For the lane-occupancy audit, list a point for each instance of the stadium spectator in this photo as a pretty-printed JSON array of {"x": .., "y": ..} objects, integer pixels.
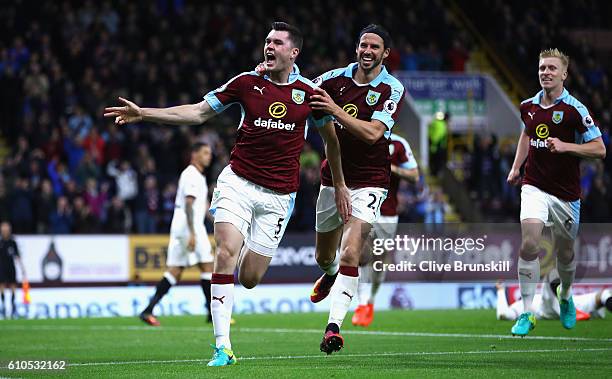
[
  {"x": 85, "y": 222},
  {"x": 148, "y": 203},
  {"x": 44, "y": 203},
  {"x": 61, "y": 218},
  {"x": 22, "y": 207},
  {"x": 118, "y": 217}
]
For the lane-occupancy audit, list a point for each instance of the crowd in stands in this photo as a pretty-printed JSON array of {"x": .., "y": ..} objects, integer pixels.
[
  {"x": 520, "y": 31},
  {"x": 68, "y": 170}
]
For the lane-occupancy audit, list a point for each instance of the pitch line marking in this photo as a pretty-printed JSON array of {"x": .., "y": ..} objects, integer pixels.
[
  {"x": 287, "y": 330},
  {"x": 320, "y": 356}
]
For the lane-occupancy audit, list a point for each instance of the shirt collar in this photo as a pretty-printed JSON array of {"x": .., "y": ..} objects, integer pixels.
[
  {"x": 537, "y": 99},
  {"x": 293, "y": 75},
  {"x": 351, "y": 68}
]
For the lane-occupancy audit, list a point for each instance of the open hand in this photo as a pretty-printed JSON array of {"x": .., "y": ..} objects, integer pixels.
[{"x": 129, "y": 113}]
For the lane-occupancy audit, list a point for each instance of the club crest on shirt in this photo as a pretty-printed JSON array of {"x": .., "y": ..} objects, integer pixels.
[
  {"x": 557, "y": 117},
  {"x": 372, "y": 97},
  {"x": 298, "y": 96}
]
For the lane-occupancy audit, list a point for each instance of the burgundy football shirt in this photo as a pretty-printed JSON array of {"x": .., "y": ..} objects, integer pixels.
[
  {"x": 363, "y": 165},
  {"x": 568, "y": 120},
  {"x": 272, "y": 129},
  {"x": 401, "y": 156}
]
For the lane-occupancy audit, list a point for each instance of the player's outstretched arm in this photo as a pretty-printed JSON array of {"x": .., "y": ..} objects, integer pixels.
[
  {"x": 410, "y": 174},
  {"x": 332, "y": 152},
  {"x": 189, "y": 114},
  {"x": 522, "y": 149},
  {"x": 367, "y": 131},
  {"x": 594, "y": 149}
]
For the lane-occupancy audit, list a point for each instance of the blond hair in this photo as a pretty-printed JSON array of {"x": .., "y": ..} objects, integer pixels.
[{"x": 555, "y": 53}]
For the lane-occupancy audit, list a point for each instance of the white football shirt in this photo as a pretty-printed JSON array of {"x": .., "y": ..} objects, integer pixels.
[{"x": 191, "y": 183}]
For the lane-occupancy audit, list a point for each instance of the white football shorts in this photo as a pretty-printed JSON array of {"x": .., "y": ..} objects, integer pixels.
[
  {"x": 563, "y": 216},
  {"x": 259, "y": 213},
  {"x": 365, "y": 204},
  {"x": 179, "y": 256}
]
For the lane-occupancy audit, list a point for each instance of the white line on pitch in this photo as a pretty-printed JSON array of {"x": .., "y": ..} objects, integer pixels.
[
  {"x": 287, "y": 330},
  {"x": 320, "y": 356}
]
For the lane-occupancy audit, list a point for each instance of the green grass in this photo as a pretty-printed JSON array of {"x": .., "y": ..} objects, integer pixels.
[{"x": 456, "y": 343}]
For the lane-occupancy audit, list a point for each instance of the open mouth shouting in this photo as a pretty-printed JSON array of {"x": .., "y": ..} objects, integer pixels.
[{"x": 270, "y": 59}]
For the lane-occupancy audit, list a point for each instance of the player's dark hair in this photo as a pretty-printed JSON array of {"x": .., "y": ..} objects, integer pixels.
[
  {"x": 295, "y": 34},
  {"x": 197, "y": 146},
  {"x": 379, "y": 31}
]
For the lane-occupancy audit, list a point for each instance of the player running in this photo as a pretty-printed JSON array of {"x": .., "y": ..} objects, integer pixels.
[
  {"x": 256, "y": 191},
  {"x": 403, "y": 166},
  {"x": 364, "y": 100},
  {"x": 557, "y": 131},
  {"x": 189, "y": 244}
]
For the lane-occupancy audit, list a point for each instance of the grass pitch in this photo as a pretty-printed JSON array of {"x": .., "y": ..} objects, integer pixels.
[{"x": 454, "y": 343}]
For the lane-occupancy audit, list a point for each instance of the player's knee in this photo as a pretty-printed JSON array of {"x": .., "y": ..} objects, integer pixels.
[
  {"x": 350, "y": 256},
  {"x": 529, "y": 247},
  {"x": 223, "y": 254},
  {"x": 248, "y": 280}
]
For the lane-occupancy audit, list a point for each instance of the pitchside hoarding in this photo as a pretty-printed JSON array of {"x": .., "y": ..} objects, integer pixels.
[
  {"x": 54, "y": 260},
  {"x": 417, "y": 253},
  {"x": 189, "y": 300}
]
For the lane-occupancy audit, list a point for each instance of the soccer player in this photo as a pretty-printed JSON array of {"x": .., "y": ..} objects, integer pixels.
[
  {"x": 364, "y": 99},
  {"x": 403, "y": 166},
  {"x": 557, "y": 131},
  {"x": 546, "y": 305},
  {"x": 255, "y": 192},
  {"x": 9, "y": 254},
  {"x": 189, "y": 244}
]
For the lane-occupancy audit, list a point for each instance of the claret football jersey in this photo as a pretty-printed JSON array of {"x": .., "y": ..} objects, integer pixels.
[
  {"x": 272, "y": 129},
  {"x": 568, "y": 120},
  {"x": 401, "y": 156},
  {"x": 363, "y": 165}
]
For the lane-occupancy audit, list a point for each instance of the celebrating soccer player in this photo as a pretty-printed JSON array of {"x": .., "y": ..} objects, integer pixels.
[
  {"x": 189, "y": 243},
  {"x": 364, "y": 100},
  {"x": 256, "y": 191},
  {"x": 557, "y": 131}
]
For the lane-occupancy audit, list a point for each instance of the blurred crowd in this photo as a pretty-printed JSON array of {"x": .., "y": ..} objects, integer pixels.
[{"x": 68, "y": 170}]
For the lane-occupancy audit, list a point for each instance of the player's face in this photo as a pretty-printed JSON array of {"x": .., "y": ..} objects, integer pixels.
[
  {"x": 371, "y": 51},
  {"x": 204, "y": 156},
  {"x": 279, "y": 52},
  {"x": 5, "y": 230},
  {"x": 551, "y": 72}
]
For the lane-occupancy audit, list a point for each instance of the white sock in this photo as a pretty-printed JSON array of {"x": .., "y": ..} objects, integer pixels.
[
  {"x": 342, "y": 293},
  {"x": 333, "y": 268},
  {"x": 171, "y": 279},
  {"x": 567, "y": 272},
  {"x": 528, "y": 275},
  {"x": 365, "y": 284},
  {"x": 222, "y": 302},
  {"x": 503, "y": 311}
]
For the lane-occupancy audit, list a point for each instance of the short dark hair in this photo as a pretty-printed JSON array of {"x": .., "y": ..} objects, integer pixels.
[
  {"x": 295, "y": 34},
  {"x": 197, "y": 146},
  {"x": 379, "y": 31}
]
